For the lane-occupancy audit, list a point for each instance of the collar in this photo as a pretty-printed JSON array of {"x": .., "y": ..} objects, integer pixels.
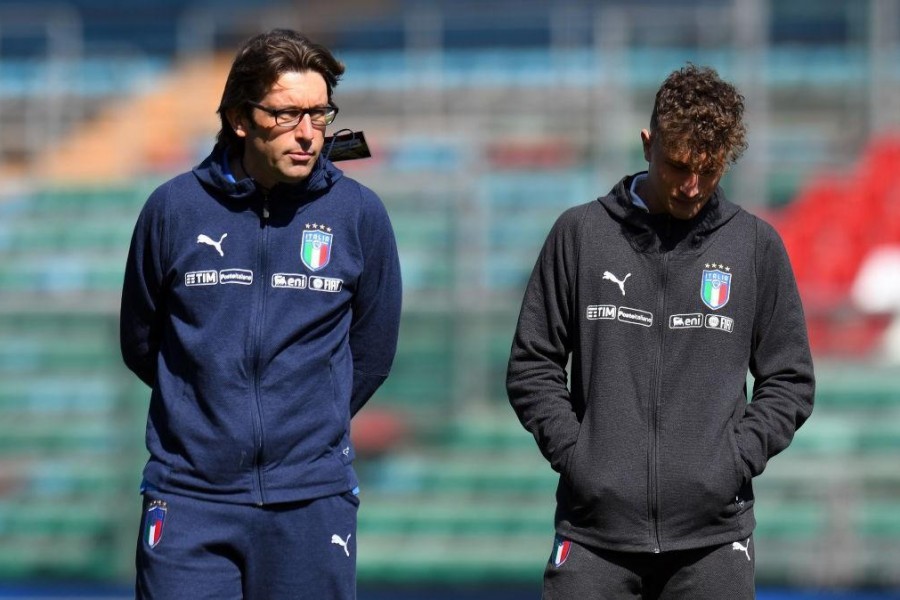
[
  {"x": 226, "y": 166},
  {"x": 635, "y": 197},
  {"x": 215, "y": 172},
  {"x": 660, "y": 232}
]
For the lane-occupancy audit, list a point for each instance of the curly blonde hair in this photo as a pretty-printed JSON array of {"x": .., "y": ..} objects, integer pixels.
[{"x": 696, "y": 112}]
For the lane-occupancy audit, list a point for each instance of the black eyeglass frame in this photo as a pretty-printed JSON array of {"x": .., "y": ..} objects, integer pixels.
[{"x": 331, "y": 109}]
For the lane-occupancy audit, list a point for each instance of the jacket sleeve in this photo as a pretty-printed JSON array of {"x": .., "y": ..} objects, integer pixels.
[
  {"x": 536, "y": 380},
  {"x": 376, "y": 305},
  {"x": 780, "y": 359},
  {"x": 140, "y": 317}
]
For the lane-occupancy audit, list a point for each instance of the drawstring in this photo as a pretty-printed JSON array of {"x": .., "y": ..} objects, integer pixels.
[{"x": 334, "y": 138}]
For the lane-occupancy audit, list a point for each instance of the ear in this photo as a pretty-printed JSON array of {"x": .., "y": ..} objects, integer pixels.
[
  {"x": 646, "y": 142},
  {"x": 238, "y": 122}
]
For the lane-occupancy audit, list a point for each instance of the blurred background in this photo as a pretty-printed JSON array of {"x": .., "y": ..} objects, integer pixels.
[{"x": 486, "y": 120}]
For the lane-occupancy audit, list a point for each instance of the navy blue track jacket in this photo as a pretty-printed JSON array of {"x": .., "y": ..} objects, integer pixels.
[{"x": 262, "y": 322}]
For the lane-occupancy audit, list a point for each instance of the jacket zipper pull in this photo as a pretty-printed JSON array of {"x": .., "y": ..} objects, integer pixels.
[{"x": 265, "y": 208}]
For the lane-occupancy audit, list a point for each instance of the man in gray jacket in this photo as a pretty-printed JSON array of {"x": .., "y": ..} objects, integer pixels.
[{"x": 663, "y": 295}]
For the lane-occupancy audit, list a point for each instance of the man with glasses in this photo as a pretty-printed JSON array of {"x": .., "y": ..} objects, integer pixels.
[
  {"x": 261, "y": 304},
  {"x": 658, "y": 299}
]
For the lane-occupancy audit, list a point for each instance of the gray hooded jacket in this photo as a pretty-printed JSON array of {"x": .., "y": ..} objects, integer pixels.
[{"x": 654, "y": 438}]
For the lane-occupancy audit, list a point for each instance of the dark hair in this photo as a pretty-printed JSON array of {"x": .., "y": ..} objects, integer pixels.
[
  {"x": 697, "y": 112},
  {"x": 258, "y": 64}
]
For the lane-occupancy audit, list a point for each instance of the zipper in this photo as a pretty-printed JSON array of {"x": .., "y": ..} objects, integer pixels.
[
  {"x": 655, "y": 396},
  {"x": 256, "y": 352}
]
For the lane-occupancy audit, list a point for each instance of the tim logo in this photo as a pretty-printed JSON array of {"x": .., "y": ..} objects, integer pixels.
[
  {"x": 201, "y": 278},
  {"x": 294, "y": 281},
  {"x": 601, "y": 311},
  {"x": 725, "y": 324},
  {"x": 687, "y": 321}
]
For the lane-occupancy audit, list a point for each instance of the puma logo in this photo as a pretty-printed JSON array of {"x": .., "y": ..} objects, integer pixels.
[
  {"x": 205, "y": 239},
  {"x": 610, "y": 277},
  {"x": 336, "y": 539},
  {"x": 742, "y": 547}
]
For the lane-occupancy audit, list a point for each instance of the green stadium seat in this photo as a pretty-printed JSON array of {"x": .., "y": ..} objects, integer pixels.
[
  {"x": 499, "y": 433},
  {"x": 91, "y": 394},
  {"x": 492, "y": 559},
  {"x": 422, "y": 375},
  {"x": 71, "y": 421},
  {"x": 40, "y": 354},
  {"x": 455, "y": 514},
  {"x": 878, "y": 519},
  {"x": 54, "y": 274},
  {"x": 857, "y": 387},
  {"x": 794, "y": 520},
  {"x": 40, "y": 236},
  {"x": 97, "y": 203},
  {"x": 63, "y": 517}
]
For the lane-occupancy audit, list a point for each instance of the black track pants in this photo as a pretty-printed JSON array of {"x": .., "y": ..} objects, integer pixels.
[{"x": 714, "y": 573}]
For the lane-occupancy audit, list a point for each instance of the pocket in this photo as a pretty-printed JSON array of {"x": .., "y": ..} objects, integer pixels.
[
  {"x": 571, "y": 494},
  {"x": 344, "y": 451},
  {"x": 340, "y": 378},
  {"x": 737, "y": 461},
  {"x": 352, "y": 496},
  {"x": 334, "y": 391},
  {"x": 569, "y": 470}
]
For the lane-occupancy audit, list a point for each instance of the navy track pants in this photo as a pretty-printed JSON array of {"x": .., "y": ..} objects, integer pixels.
[{"x": 197, "y": 549}]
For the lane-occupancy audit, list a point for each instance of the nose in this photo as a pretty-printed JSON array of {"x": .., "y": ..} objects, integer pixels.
[
  {"x": 304, "y": 129},
  {"x": 690, "y": 187}
]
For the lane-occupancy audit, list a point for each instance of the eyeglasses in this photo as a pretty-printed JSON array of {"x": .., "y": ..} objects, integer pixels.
[{"x": 291, "y": 117}]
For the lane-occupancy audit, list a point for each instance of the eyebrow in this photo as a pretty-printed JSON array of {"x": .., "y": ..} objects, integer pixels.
[
  {"x": 680, "y": 164},
  {"x": 703, "y": 169},
  {"x": 317, "y": 107}
]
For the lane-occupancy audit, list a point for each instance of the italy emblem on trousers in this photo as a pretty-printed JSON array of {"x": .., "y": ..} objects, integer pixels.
[
  {"x": 561, "y": 549},
  {"x": 156, "y": 518}
]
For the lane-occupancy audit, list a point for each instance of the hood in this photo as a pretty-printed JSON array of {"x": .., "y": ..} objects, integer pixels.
[
  {"x": 210, "y": 173},
  {"x": 662, "y": 232}
]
